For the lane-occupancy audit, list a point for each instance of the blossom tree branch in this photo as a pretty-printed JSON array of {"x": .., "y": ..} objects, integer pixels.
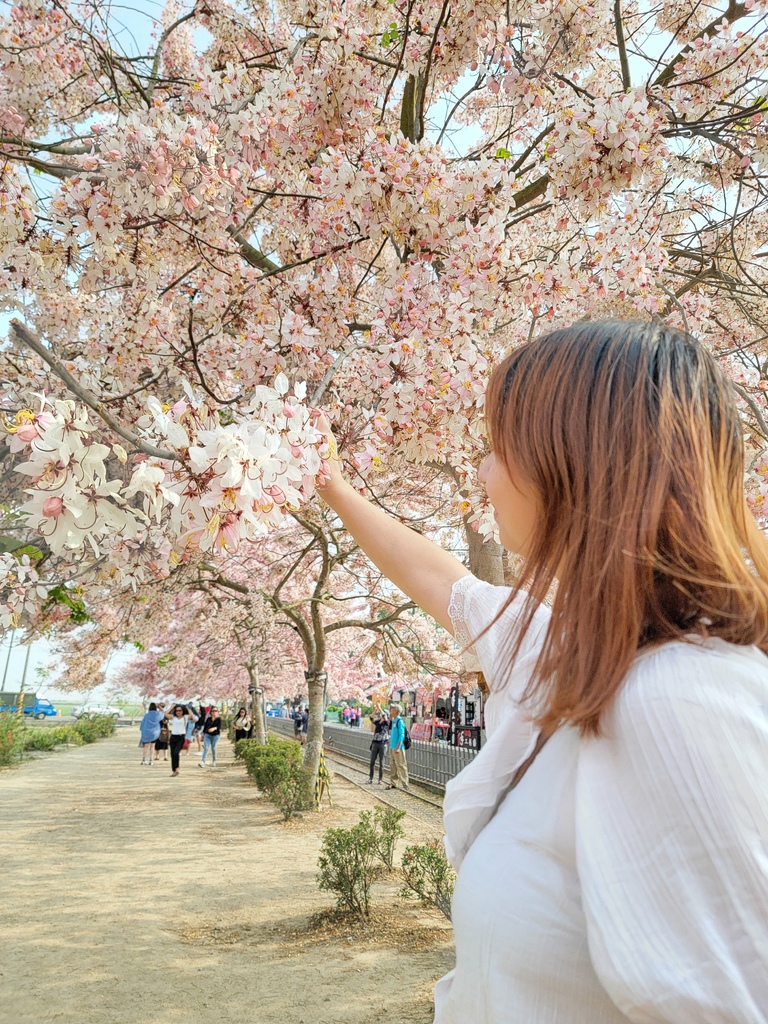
[{"x": 26, "y": 337}]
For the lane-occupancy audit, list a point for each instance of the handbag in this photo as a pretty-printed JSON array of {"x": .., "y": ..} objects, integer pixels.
[{"x": 185, "y": 745}]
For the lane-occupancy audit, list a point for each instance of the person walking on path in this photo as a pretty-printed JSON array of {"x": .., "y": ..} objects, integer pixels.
[
  {"x": 610, "y": 836},
  {"x": 242, "y": 725},
  {"x": 150, "y": 731},
  {"x": 192, "y": 719},
  {"x": 177, "y": 728},
  {"x": 211, "y": 733},
  {"x": 378, "y": 745},
  {"x": 164, "y": 737},
  {"x": 304, "y": 725},
  {"x": 197, "y": 732},
  {"x": 398, "y": 765},
  {"x": 297, "y": 724}
]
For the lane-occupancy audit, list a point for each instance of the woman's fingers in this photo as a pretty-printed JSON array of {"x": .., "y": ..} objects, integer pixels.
[{"x": 332, "y": 474}]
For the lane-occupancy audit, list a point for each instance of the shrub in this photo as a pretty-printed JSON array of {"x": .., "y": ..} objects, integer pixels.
[
  {"x": 17, "y": 737},
  {"x": 91, "y": 729},
  {"x": 12, "y": 732},
  {"x": 41, "y": 739},
  {"x": 240, "y": 749},
  {"x": 289, "y": 795},
  {"x": 348, "y": 864},
  {"x": 389, "y": 830},
  {"x": 48, "y": 739},
  {"x": 61, "y": 733},
  {"x": 276, "y": 768},
  {"x": 429, "y": 876}
]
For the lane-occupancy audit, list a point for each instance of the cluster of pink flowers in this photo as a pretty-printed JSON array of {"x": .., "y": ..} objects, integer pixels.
[
  {"x": 601, "y": 146},
  {"x": 21, "y": 592}
]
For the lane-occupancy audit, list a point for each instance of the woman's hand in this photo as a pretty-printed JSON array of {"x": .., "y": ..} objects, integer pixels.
[{"x": 332, "y": 479}]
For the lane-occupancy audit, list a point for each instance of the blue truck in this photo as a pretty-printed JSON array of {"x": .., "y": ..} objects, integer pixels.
[{"x": 36, "y": 707}]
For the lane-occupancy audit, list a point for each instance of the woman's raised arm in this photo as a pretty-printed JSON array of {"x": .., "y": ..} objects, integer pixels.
[{"x": 417, "y": 566}]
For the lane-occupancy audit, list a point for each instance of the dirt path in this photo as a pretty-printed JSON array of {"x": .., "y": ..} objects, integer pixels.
[{"x": 130, "y": 897}]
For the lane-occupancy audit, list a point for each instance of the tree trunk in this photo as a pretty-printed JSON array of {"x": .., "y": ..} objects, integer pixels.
[
  {"x": 316, "y": 689},
  {"x": 486, "y": 558},
  {"x": 257, "y": 704},
  {"x": 259, "y": 723}
]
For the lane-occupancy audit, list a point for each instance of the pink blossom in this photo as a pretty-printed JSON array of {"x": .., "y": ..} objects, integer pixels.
[
  {"x": 27, "y": 432},
  {"x": 53, "y": 507},
  {"x": 190, "y": 203}
]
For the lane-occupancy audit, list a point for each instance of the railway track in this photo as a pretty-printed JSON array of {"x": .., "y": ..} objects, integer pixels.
[{"x": 415, "y": 802}]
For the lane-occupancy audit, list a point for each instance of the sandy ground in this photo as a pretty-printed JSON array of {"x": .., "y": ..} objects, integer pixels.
[{"x": 130, "y": 897}]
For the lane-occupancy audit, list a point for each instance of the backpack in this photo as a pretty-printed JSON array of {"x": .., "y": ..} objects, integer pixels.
[{"x": 406, "y": 738}]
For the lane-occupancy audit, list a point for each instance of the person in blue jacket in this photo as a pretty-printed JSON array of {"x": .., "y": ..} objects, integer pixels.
[
  {"x": 398, "y": 766},
  {"x": 150, "y": 730}
]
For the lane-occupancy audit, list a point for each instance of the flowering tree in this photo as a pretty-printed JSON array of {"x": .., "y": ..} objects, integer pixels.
[
  {"x": 358, "y": 203},
  {"x": 323, "y": 590},
  {"x": 354, "y": 203}
]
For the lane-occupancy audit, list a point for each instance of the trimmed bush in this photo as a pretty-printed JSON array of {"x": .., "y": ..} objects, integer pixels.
[
  {"x": 16, "y": 736},
  {"x": 42, "y": 739},
  {"x": 429, "y": 876},
  {"x": 91, "y": 729},
  {"x": 87, "y": 730},
  {"x": 289, "y": 794},
  {"x": 389, "y": 830},
  {"x": 277, "y": 769},
  {"x": 348, "y": 864}
]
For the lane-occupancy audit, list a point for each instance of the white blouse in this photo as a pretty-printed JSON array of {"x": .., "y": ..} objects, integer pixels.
[
  {"x": 179, "y": 725},
  {"x": 626, "y": 877}
]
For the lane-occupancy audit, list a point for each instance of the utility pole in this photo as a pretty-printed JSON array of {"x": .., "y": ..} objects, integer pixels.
[
  {"x": 20, "y": 709},
  {"x": 8, "y": 659}
]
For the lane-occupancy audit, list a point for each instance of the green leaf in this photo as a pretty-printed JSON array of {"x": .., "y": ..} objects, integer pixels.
[
  {"x": 391, "y": 35},
  {"x": 78, "y": 613},
  {"x": 18, "y": 547},
  {"x": 503, "y": 154}
]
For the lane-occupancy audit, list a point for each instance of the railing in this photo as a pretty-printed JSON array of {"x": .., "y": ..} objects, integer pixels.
[{"x": 432, "y": 763}]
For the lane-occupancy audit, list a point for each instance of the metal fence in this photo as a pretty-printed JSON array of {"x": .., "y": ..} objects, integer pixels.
[{"x": 433, "y": 763}]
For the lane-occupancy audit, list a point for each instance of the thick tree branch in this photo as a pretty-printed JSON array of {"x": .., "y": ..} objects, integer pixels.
[
  {"x": 60, "y": 148},
  {"x": 251, "y": 254},
  {"x": 370, "y": 624},
  {"x": 530, "y": 192},
  {"x": 26, "y": 337},
  {"x": 153, "y": 79},
  {"x": 60, "y": 171},
  {"x": 626, "y": 81},
  {"x": 762, "y": 425},
  {"x": 734, "y": 12}
]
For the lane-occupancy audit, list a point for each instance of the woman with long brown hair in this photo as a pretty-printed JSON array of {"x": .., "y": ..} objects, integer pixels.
[{"x": 611, "y": 838}]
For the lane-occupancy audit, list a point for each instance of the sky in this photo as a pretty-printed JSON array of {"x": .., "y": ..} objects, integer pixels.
[{"x": 43, "y": 657}]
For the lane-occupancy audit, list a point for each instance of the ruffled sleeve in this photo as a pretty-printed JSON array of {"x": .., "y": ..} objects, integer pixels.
[
  {"x": 672, "y": 838},
  {"x": 475, "y": 604}
]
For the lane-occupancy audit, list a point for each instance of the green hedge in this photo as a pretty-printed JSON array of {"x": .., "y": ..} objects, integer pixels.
[
  {"x": 16, "y": 736},
  {"x": 277, "y": 769}
]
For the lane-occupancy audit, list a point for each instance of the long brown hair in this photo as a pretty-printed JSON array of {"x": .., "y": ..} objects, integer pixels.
[{"x": 630, "y": 436}]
